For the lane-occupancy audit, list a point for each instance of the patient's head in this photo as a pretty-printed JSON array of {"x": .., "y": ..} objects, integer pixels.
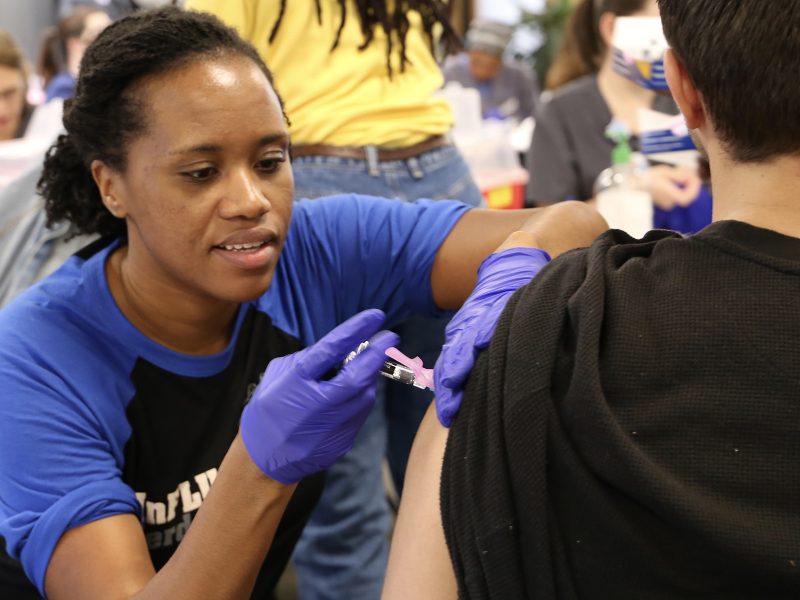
[{"x": 743, "y": 57}]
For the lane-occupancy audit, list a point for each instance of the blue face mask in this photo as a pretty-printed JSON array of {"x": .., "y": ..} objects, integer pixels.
[
  {"x": 638, "y": 49},
  {"x": 648, "y": 74}
]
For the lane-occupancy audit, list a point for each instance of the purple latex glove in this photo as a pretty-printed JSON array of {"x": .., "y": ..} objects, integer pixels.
[
  {"x": 296, "y": 424},
  {"x": 471, "y": 329}
]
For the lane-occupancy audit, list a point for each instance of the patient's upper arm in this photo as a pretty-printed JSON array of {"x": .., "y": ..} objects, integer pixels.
[{"x": 419, "y": 563}]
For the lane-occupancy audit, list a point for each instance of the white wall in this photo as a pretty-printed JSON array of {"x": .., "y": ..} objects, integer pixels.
[
  {"x": 25, "y": 20},
  {"x": 506, "y": 11}
]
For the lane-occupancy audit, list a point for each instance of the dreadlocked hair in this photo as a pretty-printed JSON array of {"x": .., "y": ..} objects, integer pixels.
[
  {"x": 374, "y": 13},
  {"x": 108, "y": 111}
]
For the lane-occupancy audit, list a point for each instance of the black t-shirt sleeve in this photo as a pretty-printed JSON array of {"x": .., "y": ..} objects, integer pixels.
[
  {"x": 631, "y": 431},
  {"x": 478, "y": 503}
]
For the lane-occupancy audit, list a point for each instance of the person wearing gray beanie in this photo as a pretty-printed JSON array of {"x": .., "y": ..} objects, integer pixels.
[{"x": 508, "y": 89}]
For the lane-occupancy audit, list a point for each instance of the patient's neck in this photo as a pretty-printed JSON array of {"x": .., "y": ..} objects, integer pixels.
[{"x": 763, "y": 194}]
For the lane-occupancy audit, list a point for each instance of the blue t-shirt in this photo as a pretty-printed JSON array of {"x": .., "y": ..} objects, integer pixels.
[{"x": 96, "y": 419}]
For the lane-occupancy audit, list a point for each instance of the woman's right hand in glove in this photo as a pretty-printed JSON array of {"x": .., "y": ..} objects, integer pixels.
[{"x": 296, "y": 423}]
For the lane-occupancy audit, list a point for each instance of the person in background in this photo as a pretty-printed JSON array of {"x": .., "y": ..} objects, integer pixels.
[
  {"x": 570, "y": 147},
  {"x": 63, "y": 46},
  {"x": 14, "y": 108},
  {"x": 508, "y": 89},
  {"x": 359, "y": 81}
]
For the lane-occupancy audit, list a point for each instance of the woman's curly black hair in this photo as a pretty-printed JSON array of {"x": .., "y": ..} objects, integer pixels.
[{"x": 106, "y": 113}]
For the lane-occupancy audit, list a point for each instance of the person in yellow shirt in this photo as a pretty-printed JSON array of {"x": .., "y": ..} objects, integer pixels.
[
  {"x": 358, "y": 93},
  {"x": 358, "y": 79}
]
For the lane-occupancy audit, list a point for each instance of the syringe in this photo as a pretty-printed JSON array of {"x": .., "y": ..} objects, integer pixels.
[{"x": 391, "y": 369}]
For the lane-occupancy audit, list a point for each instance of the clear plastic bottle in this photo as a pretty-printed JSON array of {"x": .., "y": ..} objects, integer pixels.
[{"x": 621, "y": 197}]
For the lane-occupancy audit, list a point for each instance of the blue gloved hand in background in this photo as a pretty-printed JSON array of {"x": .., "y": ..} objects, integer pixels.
[
  {"x": 296, "y": 424},
  {"x": 471, "y": 329}
]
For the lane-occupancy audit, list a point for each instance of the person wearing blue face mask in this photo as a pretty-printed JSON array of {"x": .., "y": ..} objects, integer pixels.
[{"x": 569, "y": 148}]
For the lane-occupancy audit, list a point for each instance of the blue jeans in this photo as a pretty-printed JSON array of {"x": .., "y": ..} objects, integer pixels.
[{"x": 345, "y": 546}]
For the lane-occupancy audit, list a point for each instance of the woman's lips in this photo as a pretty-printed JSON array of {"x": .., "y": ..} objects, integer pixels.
[{"x": 253, "y": 257}]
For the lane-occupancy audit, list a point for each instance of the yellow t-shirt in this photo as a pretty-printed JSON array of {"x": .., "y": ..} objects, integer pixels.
[{"x": 343, "y": 97}]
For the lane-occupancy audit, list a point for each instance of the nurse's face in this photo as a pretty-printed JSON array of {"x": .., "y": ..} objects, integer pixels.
[{"x": 207, "y": 188}]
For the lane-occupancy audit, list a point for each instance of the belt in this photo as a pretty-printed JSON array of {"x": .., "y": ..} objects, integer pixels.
[{"x": 359, "y": 152}]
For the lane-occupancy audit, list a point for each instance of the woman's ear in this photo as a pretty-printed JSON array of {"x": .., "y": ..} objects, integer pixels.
[
  {"x": 606, "y": 27},
  {"x": 110, "y": 187}
]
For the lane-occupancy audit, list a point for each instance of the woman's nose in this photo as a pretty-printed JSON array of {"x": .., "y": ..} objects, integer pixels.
[{"x": 245, "y": 198}]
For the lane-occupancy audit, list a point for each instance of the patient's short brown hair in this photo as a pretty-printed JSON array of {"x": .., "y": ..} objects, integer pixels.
[{"x": 744, "y": 58}]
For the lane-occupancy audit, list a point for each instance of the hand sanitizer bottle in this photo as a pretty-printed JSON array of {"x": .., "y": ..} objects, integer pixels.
[{"x": 618, "y": 190}]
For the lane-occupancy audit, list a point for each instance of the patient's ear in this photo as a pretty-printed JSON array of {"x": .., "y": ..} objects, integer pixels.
[{"x": 684, "y": 91}]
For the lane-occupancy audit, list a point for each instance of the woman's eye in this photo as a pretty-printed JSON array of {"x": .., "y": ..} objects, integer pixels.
[
  {"x": 269, "y": 165},
  {"x": 199, "y": 175}
]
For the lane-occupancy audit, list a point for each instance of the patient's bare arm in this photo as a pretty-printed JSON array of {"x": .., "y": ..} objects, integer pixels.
[{"x": 419, "y": 563}]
